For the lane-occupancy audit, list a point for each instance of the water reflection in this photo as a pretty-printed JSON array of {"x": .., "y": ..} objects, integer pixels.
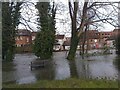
[
  {"x": 117, "y": 62},
  {"x": 19, "y": 71},
  {"x": 117, "y": 65},
  {"x": 97, "y": 67},
  {"x": 59, "y": 68}
]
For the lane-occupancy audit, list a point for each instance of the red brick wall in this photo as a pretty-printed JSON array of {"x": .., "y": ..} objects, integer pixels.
[{"x": 23, "y": 40}]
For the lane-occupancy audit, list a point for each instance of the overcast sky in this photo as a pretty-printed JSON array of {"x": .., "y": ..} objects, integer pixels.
[{"x": 62, "y": 19}]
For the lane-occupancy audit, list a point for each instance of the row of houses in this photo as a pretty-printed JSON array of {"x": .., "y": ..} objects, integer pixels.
[{"x": 94, "y": 39}]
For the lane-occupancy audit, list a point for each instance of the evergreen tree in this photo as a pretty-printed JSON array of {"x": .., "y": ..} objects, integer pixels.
[
  {"x": 45, "y": 38},
  {"x": 118, "y": 44},
  {"x": 10, "y": 19}
]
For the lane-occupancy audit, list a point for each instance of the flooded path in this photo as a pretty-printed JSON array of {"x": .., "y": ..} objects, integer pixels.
[{"x": 59, "y": 68}]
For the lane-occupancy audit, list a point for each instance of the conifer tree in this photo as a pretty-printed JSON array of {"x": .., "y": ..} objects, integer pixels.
[
  {"x": 10, "y": 20},
  {"x": 45, "y": 38}
]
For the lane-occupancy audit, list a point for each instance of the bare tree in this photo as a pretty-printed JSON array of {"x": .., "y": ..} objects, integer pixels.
[{"x": 78, "y": 26}]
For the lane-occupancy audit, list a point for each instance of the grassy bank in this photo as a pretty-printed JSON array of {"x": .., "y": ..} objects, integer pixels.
[{"x": 68, "y": 83}]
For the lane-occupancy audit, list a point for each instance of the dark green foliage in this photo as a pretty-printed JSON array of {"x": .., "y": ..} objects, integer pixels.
[
  {"x": 44, "y": 45},
  {"x": 45, "y": 38},
  {"x": 118, "y": 44},
  {"x": 10, "y": 19}
]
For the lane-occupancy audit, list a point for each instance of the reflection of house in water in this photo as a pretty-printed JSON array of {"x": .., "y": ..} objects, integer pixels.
[
  {"x": 97, "y": 67},
  {"x": 83, "y": 69}
]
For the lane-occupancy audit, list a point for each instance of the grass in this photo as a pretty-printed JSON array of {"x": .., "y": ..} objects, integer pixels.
[{"x": 68, "y": 83}]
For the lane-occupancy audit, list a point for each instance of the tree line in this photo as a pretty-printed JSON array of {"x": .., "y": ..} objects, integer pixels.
[{"x": 82, "y": 16}]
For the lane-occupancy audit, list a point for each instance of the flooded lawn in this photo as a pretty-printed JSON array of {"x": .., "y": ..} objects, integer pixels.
[{"x": 59, "y": 68}]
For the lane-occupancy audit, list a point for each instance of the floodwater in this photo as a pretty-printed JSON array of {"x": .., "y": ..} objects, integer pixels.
[{"x": 59, "y": 68}]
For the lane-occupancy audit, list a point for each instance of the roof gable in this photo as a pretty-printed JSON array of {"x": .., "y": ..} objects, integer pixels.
[
  {"x": 23, "y": 32},
  {"x": 59, "y": 36}
]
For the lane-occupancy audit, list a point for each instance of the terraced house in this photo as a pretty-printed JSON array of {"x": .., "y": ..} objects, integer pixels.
[{"x": 93, "y": 40}]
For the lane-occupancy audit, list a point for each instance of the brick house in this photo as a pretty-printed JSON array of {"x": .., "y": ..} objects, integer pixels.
[
  {"x": 96, "y": 39},
  {"x": 33, "y": 36},
  {"x": 23, "y": 38},
  {"x": 92, "y": 39},
  {"x": 111, "y": 40},
  {"x": 104, "y": 36}
]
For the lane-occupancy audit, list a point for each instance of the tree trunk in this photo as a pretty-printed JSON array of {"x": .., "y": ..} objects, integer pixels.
[
  {"x": 87, "y": 38},
  {"x": 73, "y": 48},
  {"x": 76, "y": 32},
  {"x": 118, "y": 45},
  {"x": 84, "y": 42}
]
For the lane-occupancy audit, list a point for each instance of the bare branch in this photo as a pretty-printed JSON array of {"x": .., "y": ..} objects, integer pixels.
[
  {"x": 27, "y": 23},
  {"x": 70, "y": 10},
  {"x": 80, "y": 28},
  {"x": 98, "y": 21}
]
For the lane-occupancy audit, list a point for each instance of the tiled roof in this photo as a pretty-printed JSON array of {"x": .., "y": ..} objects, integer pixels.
[
  {"x": 23, "y": 32},
  {"x": 34, "y": 33},
  {"x": 60, "y": 36},
  {"x": 91, "y": 34}
]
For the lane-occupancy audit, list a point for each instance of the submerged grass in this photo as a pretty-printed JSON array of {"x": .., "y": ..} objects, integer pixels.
[{"x": 68, "y": 83}]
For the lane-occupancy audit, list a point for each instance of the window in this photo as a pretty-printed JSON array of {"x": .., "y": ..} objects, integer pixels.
[
  {"x": 27, "y": 39},
  {"x": 21, "y": 38},
  {"x": 17, "y": 38},
  {"x": 95, "y": 40}
]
